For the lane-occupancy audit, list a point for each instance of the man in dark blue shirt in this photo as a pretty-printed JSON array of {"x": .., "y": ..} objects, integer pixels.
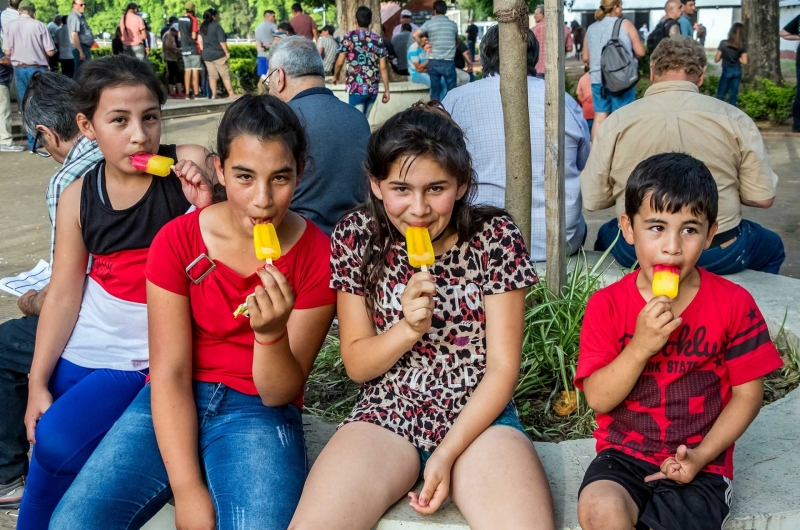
[{"x": 333, "y": 182}]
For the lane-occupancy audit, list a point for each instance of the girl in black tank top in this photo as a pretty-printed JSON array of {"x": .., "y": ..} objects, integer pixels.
[{"x": 95, "y": 327}]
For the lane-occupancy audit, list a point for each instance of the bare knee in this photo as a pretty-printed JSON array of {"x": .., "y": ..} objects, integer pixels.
[{"x": 604, "y": 511}]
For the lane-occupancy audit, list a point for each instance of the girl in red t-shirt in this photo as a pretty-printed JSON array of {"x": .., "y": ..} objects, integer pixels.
[
  {"x": 225, "y": 435},
  {"x": 437, "y": 353}
]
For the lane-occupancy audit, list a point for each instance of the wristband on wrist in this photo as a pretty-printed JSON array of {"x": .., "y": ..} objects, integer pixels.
[{"x": 272, "y": 342}]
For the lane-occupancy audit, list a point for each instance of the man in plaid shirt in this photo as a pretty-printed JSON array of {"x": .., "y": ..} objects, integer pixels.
[{"x": 50, "y": 117}]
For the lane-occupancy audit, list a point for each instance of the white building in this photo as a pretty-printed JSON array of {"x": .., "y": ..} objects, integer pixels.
[
  {"x": 789, "y": 10},
  {"x": 716, "y": 15}
]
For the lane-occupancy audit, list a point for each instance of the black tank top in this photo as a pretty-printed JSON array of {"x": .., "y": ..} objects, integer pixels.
[{"x": 106, "y": 230}]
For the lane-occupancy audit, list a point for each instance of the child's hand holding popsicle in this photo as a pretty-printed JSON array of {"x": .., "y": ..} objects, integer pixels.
[
  {"x": 656, "y": 321},
  {"x": 267, "y": 248},
  {"x": 418, "y": 297},
  {"x": 196, "y": 186}
]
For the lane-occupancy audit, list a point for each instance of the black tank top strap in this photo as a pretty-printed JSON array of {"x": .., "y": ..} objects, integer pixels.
[{"x": 106, "y": 230}]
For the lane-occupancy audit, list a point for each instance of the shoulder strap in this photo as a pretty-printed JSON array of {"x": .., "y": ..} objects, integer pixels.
[{"x": 617, "y": 26}]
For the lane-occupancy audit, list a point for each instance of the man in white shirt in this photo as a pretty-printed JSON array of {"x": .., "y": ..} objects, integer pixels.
[{"x": 405, "y": 18}]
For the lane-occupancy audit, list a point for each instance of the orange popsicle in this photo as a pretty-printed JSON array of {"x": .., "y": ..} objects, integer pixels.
[
  {"x": 666, "y": 279},
  {"x": 420, "y": 248},
  {"x": 153, "y": 164},
  {"x": 265, "y": 240}
]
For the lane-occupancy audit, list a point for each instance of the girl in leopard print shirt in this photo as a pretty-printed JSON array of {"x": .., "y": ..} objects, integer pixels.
[{"x": 437, "y": 353}]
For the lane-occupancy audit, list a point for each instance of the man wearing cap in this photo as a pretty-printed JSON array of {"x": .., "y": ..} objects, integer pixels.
[
  {"x": 190, "y": 49},
  {"x": 405, "y": 18},
  {"x": 80, "y": 33},
  {"x": 27, "y": 42},
  {"x": 135, "y": 40}
]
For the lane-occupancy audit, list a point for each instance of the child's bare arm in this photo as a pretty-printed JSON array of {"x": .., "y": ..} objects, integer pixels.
[
  {"x": 736, "y": 417},
  {"x": 609, "y": 386}
]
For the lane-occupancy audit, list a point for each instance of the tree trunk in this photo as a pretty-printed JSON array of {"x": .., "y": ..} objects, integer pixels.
[
  {"x": 346, "y": 10},
  {"x": 555, "y": 216},
  {"x": 760, "y": 19},
  {"x": 512, "y": 17}
]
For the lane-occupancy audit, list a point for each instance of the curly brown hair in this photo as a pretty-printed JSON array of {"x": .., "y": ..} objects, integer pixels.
[{"x": 679, "y": 53}]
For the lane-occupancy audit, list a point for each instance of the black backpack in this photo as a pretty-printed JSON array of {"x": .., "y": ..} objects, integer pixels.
[
  {"x": 659, "y": 33},
  {"x": 620, "y": 71}
]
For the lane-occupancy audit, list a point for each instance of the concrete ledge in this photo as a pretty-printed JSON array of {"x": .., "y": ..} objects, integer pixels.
[
  {"x": 402, "y": 95},
  {"x": 766, "y": 485}
]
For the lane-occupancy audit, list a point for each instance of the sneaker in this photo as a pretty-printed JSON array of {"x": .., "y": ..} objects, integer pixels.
[
  {"x": 191, "y": 95},
  {"x": 11, "y": 494},
  {"x": 11, "y": 149}
]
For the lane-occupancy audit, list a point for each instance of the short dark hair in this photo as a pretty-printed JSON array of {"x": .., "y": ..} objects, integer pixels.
[
  {"x": 48, "y": 102},
  {"x": 297, "y": 8},
  {"x": 363, "y": 17},
  {"x": 14, "y": 4},
  {"x": 111, "y": 72},
  {"x": 329, "y": 28},
  {"x": 674, "y": 181},
  {"x": 440, "y": 7},
  {"x": 173, "y": 19},
  {"x": 269, "y": 12},
  {"x": 490, "y": 52}
]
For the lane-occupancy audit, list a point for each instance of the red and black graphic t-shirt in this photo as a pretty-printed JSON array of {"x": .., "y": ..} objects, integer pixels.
[{"x": 723, "y": 342}]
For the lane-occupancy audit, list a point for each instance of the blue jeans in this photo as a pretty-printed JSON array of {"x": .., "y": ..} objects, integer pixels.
[
  {"x": 471, "y": 49},
  {"x": 86, "y": 404},
  {"x": 23, "y": 76},
  {"x": 362, "y": 102},
  {"x": 253, "y": 458},
  {"x": 17, "y": 337},
  {"x": 603, "y": 101},
  {"x": 443, "y": 77},
  {"x": 729, "y": 82},
  {"x": 755, "y": 248},
  {"x": 87, "y": 52}
]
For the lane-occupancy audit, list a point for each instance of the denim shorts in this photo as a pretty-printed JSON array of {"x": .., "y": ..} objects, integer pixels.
[
  {"x": 509, "y": 417},
  {"x": 608, "y": 103}
]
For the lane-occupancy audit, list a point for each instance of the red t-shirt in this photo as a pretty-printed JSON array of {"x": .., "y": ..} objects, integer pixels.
[
  {"x": 722, "y": 342},
  {"x": 222, "y": 345}
]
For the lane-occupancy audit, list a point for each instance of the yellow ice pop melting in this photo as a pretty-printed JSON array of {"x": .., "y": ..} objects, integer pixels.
[
  {"x": 666, "y": 280},
  {"x": 420, "y": 248},
  {"x": 157, "y": 165},
  {"x": 265, "y": 240}
]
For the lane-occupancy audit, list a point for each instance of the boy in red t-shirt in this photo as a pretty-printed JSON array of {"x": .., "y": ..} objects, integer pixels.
[{"x": 675, "y": 382}]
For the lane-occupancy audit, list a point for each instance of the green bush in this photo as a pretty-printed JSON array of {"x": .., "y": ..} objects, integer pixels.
[
  {"x": 764, "y": 100},
  {"x": 242, "y": 51},
  {"x": 243, "y": 75},
  {"x": 710, "y": 84}
]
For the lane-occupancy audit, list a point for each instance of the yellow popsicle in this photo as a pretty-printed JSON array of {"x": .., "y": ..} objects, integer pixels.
[
  {"x": 666, "y": 280},
  {"x": 265, "y": 240},
  {"x": 420, "y": 248},
  {"x": 157, "y": 165}
]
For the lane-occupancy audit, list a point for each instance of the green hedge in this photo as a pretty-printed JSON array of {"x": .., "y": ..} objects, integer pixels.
[{"x": 242, "y": 65}]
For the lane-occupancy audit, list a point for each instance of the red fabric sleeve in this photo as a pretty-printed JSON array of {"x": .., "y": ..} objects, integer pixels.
[
  {"x": 195, "y": 27},
  {"x": 164, "y": 266},
  {"x": 750, "y": 353},
  {"x": 314, "y": 290},
  {"x": 599, "y": 344}
]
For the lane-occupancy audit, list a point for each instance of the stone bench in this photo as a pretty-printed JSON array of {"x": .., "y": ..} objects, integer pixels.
[
  {"x": 766, "y": 484},
  {"x": 402, "y": 95}
]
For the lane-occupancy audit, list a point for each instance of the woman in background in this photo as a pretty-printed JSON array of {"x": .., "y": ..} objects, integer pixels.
[{"x": 733, "y": 54}]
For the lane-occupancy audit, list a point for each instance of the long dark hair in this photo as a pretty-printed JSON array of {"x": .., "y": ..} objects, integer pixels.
[
  {"x": 266, "y": 118},
  {"x": 208, "y": 18},
  {"x": 424, "y": 130},
  {"x": 736, "y": 37},
  {"x": 111, "y": 72}
]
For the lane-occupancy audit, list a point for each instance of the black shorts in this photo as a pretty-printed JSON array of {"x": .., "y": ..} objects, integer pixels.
[{"x": 703, "y": 504}]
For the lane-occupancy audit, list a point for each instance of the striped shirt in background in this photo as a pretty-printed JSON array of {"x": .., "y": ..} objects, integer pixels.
[
  {"x": 442, "y": 33},
  {"x": 81, "y": 158}
]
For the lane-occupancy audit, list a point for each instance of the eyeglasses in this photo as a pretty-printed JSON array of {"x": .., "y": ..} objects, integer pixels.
[
  {"x": 266, "y": 79},
  {"x": 37, "y": 148}
]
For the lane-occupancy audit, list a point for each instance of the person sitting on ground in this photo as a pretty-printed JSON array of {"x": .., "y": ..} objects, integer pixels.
[
  {"x": 437, "y": 371},
  {"x": 364, "y": 55},
  {"x": 668, "y": 415},
  {"x": 46, "y": 109},
  {"x": 91, "y": 354},
  {"x": 333, "y": 183},
  {"x": 463, "y": 63},
  {"x": 477, "y": 109},
  {"x": 674, "y": 116},
  {"x": 328, "y": 48},
  {"x": 219, "y": 426},
  {"x": 418, "y": 61}
]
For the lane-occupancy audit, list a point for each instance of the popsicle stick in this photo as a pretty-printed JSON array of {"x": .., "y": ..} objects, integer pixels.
[
  {"x": 269, "y": 261},
  {"x": 424, "y": 268}
]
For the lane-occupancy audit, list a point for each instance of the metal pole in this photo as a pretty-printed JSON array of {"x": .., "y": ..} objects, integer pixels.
[{"x": 555, "y": 217}]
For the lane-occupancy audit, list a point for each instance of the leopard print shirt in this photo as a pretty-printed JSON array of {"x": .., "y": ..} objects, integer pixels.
[{"x": 421, "y": 396}]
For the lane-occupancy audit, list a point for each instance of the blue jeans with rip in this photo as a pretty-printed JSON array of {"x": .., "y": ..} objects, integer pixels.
[
  {"x": 17, "y": 338},
  {"x": 443, "y": 78},
  {"x": 86, "y": 404},
  {"x": 253, "y": 458},
  {"x": 729, "y": 83},
  {"x": 755, "y": 248},
  {"x": 23, "y": 76}
]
